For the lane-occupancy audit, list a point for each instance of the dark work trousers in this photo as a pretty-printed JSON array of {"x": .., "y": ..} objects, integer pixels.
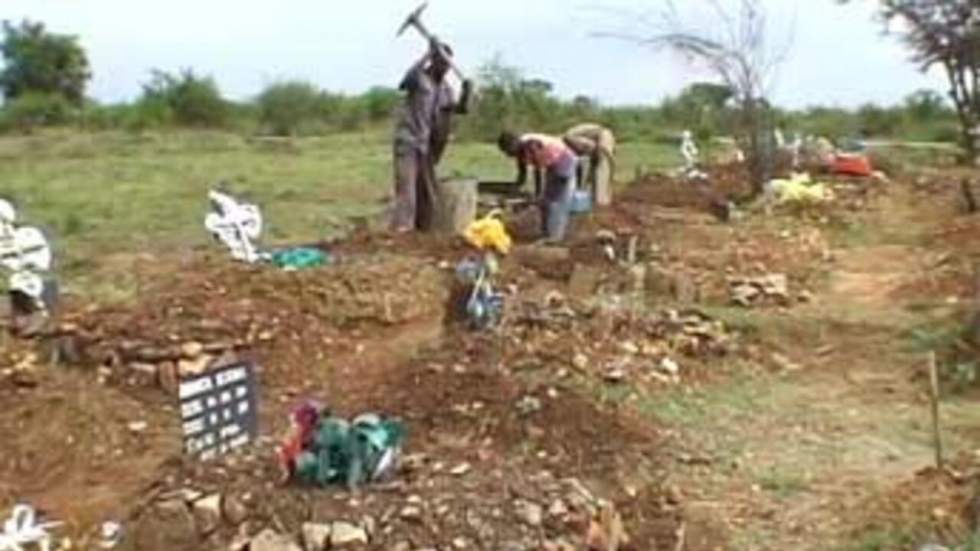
[{"x": 414, "y": 184}]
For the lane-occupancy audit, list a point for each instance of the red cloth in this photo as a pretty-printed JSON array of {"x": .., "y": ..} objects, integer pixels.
[
  {"x": 851, "y": 165},
  {"x": 304, "y": 419}
]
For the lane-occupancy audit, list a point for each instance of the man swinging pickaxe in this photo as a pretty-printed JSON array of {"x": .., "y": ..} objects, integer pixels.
[{"x": 423, "y": 130}]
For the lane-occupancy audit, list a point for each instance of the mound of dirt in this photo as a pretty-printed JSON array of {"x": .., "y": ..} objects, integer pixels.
[
  {"x": 936, "y": 506},
  {"x": 211, "y": 308},
  {"x": 483, "y": 467},
  {"x": 79, "y": 450}
]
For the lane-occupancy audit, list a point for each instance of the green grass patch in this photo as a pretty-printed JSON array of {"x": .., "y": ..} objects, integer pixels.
[
  {"x": 728, "y": 403},
  {"x": 782, "y": 481},
  {"x": 119, "y": 192},
  {"x": 882, "y": 540}
]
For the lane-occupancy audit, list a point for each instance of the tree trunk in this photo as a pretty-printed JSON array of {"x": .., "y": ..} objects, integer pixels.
[
  {"x": 757, "y": 134},
  {"x": 970, "y": 143},
  {"x": 968, "y": 112}
]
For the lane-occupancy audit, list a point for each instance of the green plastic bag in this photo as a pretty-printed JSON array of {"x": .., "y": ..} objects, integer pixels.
[
  {"x": 351, "y": 453},
  {"x": 299, "y": 258}
]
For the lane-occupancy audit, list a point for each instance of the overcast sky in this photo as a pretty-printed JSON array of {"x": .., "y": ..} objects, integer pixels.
[{"x": 838, "y": 55}]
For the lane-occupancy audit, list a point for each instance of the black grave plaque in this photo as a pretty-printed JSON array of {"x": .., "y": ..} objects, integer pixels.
[{"x": 219, "y": 410}]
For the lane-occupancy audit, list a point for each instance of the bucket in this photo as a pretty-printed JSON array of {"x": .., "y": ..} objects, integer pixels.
[
  {"x": 456, "y": 208},
  {"x": 581, "y": 202}
]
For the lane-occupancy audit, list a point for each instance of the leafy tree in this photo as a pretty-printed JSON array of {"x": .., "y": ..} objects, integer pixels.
[
  {"x": 39, "y": 62},
  {"x": 188, "y": 98},
  {"x": 946, "y": 33},
  {"x": 707, "y": 95},
  {"x": 505, "y": 97},
  {"x": 701, "y": 107}
]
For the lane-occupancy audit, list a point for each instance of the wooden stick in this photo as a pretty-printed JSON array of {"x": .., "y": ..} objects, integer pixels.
[
  {"x": 681, "y": 537},
  {"x": 934, "y": 398},
  {"x": 967, "y": 190}
]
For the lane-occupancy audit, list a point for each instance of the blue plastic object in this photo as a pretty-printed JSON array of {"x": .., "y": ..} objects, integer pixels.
[{"x": 581, "y": 202}]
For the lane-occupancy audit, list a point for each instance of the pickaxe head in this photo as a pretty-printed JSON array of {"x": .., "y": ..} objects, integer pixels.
[{"x": 412, "y": 19}]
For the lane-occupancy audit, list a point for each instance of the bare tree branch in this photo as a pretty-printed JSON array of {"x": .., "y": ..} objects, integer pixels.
[{"x": 731, "y": 43}]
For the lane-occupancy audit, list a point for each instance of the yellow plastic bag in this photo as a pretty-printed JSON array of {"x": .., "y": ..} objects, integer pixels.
[
  {"x": 799, "y": 189},
  {"x": 489, "y": 233}
]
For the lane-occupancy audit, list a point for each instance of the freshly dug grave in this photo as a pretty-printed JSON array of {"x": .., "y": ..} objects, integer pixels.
[{"x": 290, "y": 321}]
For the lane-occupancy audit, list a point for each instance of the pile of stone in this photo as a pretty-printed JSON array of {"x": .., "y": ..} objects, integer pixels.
[
  {"x": 625, "y": 343},
  {"x": 690, "y": 332},
  {"x": 767, "y": 289},
  {"x": 157, "y": 360},
  {"x": 449, "y": 506},
  {"x": 183, "y": 518}
]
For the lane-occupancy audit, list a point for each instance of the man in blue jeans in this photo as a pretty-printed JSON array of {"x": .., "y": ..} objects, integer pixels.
[{"x": 559, "y": 163}]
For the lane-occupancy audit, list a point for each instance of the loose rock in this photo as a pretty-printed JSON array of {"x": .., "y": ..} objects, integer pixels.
[
  {"x": 629, "y": 347},
  {"x": 234, "y": 510},
  {"x": 411, "y": 512},
  {"x": 529, "y": 513},
  {"x": 784, "y": 363},
  {"x": 529, "y": 405},
  {"x": 267, "y": 540},
  {"x": 614, "y": 375},
  {"x": 189, "y": 368},
  {"x": 168, "y": 525},
  {"x": 316, "y": 537},
  {"x": 191, "y": 350},
  {"x": 137, "y": 427},
  {"x": 558, "y": 509},
  {"x": 670, "y": 367},
  {"x": 346, "y": 534},
  {"x": 207, "y": 514}
]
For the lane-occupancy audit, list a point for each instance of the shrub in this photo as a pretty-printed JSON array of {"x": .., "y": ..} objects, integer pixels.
[
  {"x": 878, "y": 121},
  {"x": 103, "y": 117},
  {"x": 380, "y": 102},
  {"x": 35, "y": 109},
  {"x": 354, "y": 113},
  {"x": 190, "y": 99},
  {"x": 285, "y": 106},
  {"x": 146, "y": 114}
]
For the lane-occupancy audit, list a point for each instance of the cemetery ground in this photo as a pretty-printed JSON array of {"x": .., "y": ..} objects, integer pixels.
[{"x": 797, "y": 421}]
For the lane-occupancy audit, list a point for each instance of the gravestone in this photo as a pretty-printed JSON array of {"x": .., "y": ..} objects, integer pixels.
[{"x": 219, "y": 410}]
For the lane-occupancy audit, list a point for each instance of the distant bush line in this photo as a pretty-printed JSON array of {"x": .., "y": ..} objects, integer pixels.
[{"x": 505, "y": 100}]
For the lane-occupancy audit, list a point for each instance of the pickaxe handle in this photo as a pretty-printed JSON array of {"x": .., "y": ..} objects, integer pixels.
[{"x": 415, "y": 21}]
